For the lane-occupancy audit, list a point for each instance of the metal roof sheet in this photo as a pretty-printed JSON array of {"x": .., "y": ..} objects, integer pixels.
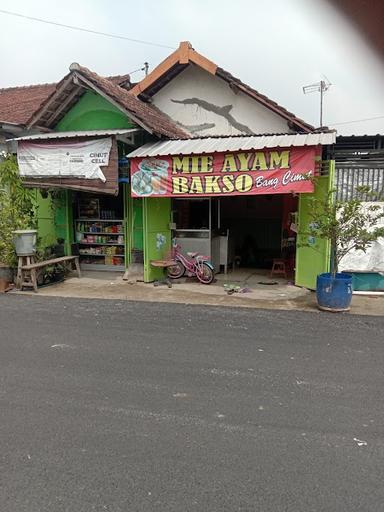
[
  {"x": 86, "y": 133},
  {"x": 233, "y": 143}
]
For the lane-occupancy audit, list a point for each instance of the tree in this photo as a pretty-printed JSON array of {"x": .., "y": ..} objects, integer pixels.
[
  {"x": 16, "y": 207},
  {"x": 348, "y": 225}
]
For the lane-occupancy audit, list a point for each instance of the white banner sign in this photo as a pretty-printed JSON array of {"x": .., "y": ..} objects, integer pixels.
[{"x": 64, "y": 159}]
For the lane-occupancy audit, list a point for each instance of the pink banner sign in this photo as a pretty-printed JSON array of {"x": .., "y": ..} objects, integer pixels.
[{"x": 275, "y": 171}]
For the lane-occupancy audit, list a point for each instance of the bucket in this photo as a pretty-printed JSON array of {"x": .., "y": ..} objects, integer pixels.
[
  {"x": 25, "y": 241},
  {"x": 334, "y": 293},
  {"x": 6, "y": 273}
]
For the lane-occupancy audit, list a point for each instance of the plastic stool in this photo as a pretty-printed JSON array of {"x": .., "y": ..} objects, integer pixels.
[{"x": 279, "y": 268}]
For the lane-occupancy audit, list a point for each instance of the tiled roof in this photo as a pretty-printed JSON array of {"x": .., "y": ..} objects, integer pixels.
[
  {"x": 233, "y": 81},
  {"x": 147, "y": 114},
  {"x": 186, "y": 55},
  {"x": 143, "y": 114},
  {"x": 122, "y": 80},
  {"x": 17, "y": 104}
]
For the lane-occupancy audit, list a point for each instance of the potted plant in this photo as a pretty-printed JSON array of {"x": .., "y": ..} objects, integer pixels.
[
  {"x": 16, "y": 212},
  {"x": 348, "y": 225}
]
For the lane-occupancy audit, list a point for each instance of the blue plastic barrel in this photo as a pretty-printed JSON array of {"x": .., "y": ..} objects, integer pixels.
[{"x": 334, "y": 293}]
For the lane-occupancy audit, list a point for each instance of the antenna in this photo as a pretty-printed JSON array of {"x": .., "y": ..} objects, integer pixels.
[
  {"x": 145, "y": 68},
  {"x": 320, "y": 87}
]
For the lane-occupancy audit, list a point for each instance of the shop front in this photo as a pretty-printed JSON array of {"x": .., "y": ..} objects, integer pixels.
[
  {"x": 83, "y": 202},
  {"x": 238, "y": 231},
  {"x": 238, "y": 200},
  {"x": 99, "y": 231}
]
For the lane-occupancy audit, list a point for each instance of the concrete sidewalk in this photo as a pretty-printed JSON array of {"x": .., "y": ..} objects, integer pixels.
[{"x": 260, "y": 291}]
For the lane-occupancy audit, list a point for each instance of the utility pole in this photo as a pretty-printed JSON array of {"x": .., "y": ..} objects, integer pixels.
[{"x": 320, "y": 87}]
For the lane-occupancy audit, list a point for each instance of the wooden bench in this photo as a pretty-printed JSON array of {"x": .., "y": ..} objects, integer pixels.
[{"x": 27, "y": 276}]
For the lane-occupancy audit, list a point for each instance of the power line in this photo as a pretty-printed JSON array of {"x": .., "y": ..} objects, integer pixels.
[
  {"x": 357, "y": 120},
  {"x": 139, "y": 41},
  {"x": 81, "y": 29}
]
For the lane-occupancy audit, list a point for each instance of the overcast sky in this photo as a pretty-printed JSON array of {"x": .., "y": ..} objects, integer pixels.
[{"x": 276, "y": 46}]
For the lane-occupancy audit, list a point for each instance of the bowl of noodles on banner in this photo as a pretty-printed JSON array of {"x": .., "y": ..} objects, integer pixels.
[{"x": 151, "y": 178}]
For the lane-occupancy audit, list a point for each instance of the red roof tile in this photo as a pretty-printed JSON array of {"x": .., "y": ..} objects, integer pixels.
[
  {"x": 18, "y": 103},
  {"x": 122, "y": 80},
  {"x": 149, "y": 115},
  {"x": 228, "y": 77},
  {"x": 143, "y": 114},
  {"x": 186, "y": 55}
]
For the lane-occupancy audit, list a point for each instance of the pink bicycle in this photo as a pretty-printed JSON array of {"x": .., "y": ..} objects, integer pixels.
[{"x": 194, "y": 264}]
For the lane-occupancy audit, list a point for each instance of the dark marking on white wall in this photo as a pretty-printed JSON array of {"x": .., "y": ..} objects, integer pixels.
[
  {"x": 197, "y": 127},
  {"x": 220, "y": 111}
]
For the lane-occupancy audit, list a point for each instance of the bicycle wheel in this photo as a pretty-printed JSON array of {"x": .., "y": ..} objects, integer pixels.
[
  {"x": 204, "y": 274},
  {"x": 177, "y": 270}
]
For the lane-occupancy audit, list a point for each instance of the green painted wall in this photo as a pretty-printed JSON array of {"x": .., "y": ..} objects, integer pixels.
[
  {"x": 46, "y": 229},
  {"x": 311, "y": 261},
  {"x": 133, "y": 213},
  {"x": 137, "y": 222},
  {"x": 157, "y": 234},
  {"x": 54, "y": 218},
  {"x": 64, "y": 218},
  {"x": 93, "y": 112}
]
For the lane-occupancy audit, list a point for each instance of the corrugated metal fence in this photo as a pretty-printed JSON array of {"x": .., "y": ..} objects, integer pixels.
[{"x": 351, "y": 175}]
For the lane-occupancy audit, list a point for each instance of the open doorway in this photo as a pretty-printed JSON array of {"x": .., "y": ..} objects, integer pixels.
[
  {"x": 248, "y": 232},
  {"x": 99, "y": 231},
  {"x": 261, "y": 229}
]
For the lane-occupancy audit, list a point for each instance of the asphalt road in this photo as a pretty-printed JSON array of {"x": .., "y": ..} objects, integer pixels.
[{"x": 124, "y": 406}]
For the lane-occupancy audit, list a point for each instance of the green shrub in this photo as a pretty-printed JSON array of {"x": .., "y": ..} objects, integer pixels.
[
  {"x": 16, "y": 208},
  {"x": 348, "y": 225}
]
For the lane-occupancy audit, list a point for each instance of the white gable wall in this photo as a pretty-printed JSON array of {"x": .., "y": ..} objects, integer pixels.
[
  {"x": 203, "y": 97},
  {"x": 373, "y": 259}
]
